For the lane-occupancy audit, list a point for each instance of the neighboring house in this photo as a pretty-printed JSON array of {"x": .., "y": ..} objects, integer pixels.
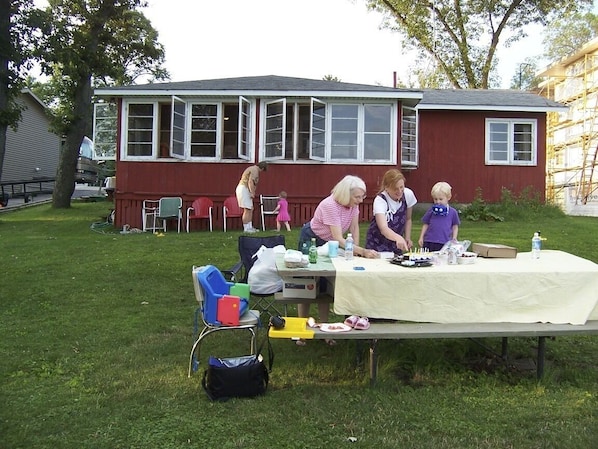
[
  {"x": 32, "y": 150},
  {"x": 572, "y": 173},
  {"x": 195, "y": 138}
]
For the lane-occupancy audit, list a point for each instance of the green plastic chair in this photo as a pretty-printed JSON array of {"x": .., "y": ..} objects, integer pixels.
[{"x": 170, "y": 208}]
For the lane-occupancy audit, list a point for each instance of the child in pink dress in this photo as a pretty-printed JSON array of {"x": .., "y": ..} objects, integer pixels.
[{"x": 282, "y": 209}]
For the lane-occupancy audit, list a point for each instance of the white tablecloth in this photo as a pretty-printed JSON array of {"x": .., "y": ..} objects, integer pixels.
[{"x": 557, "y": 288}]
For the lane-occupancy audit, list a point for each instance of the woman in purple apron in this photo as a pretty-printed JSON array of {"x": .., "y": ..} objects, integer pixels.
[{"x": 390, "y": 227}]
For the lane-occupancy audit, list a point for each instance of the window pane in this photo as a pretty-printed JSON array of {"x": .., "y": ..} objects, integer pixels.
[
  {"x": 376, "y": 146},
  {"x": 204, "y": 124},
  {"x": 377, "y": 128},
  {"x": 409, "y": 136},
  {"x": 303, "y": 137},
  {"x": 140, "y": 129},
  {"x": 377, "y": 118},
  {"x": 522, "y": 146},
  {"x": 344, "y": 132}
]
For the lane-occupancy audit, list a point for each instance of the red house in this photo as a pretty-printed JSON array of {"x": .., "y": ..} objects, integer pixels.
[{"x": 195, "y": 138}]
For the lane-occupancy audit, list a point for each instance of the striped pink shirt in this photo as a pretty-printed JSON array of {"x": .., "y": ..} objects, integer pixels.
[{"x": 330, "y": 213}]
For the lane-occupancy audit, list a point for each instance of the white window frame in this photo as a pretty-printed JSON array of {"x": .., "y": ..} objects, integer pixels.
[
  {"x": 219, "y": 114},
  {"x": 102, "y": 132},
  {"x": 245, "y": 129},
  {"x": 314, "y": 152},
  {"x": 406, "y": 162},
  {"x": 279, "y": 134},
  {"x": 511, "y": 141},
  {"x": 125, "y": 127},
  {"x": 178, "y": 122}
]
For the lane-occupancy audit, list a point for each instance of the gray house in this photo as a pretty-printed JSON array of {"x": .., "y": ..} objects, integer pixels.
[{"x": 32, "y": 150}]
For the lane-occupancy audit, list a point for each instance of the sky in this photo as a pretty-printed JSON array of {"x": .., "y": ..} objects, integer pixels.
[{"x": 208, "y": 39}]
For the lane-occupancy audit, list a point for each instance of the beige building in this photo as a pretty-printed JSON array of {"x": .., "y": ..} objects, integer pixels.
[{"x": 572, "y": 136}]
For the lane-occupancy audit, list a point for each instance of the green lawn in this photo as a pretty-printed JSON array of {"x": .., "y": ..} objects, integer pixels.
[{"x": 97, "y": 328}]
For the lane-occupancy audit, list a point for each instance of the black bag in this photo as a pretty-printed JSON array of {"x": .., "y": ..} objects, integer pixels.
[{"x": 237, "y": 377}]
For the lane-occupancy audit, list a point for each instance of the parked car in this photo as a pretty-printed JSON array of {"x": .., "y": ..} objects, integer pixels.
[{"x": 87, "y": 168}]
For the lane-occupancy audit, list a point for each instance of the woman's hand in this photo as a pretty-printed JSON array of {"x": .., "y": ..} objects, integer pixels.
[
  {"x": 402, "y": 244},
  {"x": 370, "y": 254}
]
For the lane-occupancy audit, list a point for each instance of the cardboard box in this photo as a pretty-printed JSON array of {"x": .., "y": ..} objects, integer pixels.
[
  {"x": 299, "y": 287},
  {"x": 494, "y": 250}
]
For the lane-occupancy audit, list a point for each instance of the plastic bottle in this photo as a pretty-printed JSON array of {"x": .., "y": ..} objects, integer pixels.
[
  {"x": 536, "y": 245},
  {"x": 305, "y": 248},
  {"x": 313, "y": 252},
  {"x": 349, "y": 247}
]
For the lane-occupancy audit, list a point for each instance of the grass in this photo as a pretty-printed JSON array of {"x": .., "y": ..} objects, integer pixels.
[{"x": 96, "y": 332}]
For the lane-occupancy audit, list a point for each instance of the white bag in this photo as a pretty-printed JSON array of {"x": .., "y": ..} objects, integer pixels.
[{"x": 263, "y": 277}]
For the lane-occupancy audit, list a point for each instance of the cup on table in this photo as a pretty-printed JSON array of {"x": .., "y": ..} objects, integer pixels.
[{"x": 332, "y": 248}]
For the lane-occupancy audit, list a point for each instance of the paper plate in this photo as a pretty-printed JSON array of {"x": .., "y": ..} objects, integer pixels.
[{"x": 335, "y": 327}]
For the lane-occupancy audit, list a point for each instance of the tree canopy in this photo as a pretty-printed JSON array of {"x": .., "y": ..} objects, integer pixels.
[
  {"x": 88, "y": 43},
  {"x": 18, "y": 22},
  {"x": 462, "y": 36},
  {"x": 569, "y": 33}
]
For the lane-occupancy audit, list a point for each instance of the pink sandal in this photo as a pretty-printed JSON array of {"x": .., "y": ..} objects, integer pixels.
[
  {"x": 352, "y": 320},
  {"x": 362, "y": 323}
]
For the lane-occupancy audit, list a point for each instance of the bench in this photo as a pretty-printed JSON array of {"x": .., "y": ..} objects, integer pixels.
[{"x": 410, "y": 330}]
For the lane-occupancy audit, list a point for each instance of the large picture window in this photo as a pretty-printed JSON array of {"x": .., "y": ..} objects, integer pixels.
[
  {"x": 511, "y": 142},
  {"x": 329, "y": 132}
]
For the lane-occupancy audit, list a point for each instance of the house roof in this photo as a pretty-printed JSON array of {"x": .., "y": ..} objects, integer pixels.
[
  {"x": 271, "y": 85},
  {"x": 487, "y": 100}
]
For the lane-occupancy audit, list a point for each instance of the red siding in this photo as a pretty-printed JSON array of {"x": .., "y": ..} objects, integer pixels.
[
  {"x": 451, "y": 148},
  {"x": 305, "y": 185}
]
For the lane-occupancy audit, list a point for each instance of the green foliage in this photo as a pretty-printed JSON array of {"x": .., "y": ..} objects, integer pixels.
[
  {"x": 461, "y": 37},
  {"x": 526, "y": 206},
  {"x": 568, "y": 33},
  {"x": 97, "y": 329}
]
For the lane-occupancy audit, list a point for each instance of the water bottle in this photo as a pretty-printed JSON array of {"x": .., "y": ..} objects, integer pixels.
[
  {"x": 536, "y": 245},
  {"x": 313, "y": 252},
  {"x": 349, "y": 247}
]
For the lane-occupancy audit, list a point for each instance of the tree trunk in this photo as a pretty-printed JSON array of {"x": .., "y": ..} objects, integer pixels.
[{"x": 67, "y": 164}]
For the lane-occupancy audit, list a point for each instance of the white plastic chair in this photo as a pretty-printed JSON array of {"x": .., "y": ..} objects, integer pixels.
[{"x": 267, "y": 206}]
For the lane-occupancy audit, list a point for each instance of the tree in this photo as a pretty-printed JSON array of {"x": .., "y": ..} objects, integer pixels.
[
  {"x": 462, "y": 36},
  {"x": 525, "y": 77},
  {"x": 569, "y": 33},
  {"x": 17, "y": 23},
  {"x": 87, "y": 43}
]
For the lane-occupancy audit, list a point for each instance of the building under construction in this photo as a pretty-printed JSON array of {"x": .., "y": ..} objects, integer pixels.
[{"x": 572, "y": 137}]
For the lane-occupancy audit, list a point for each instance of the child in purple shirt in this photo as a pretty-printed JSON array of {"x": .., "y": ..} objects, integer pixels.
[{"x": 440, "y": 222}]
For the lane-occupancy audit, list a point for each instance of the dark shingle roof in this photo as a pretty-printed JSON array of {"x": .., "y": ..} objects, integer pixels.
[
  {"x": 484, "y": 99},
  {"x": 272, "y": 85}
]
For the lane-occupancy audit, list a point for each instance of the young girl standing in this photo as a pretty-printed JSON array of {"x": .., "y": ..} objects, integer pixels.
[{"x": 282, "y": 209}]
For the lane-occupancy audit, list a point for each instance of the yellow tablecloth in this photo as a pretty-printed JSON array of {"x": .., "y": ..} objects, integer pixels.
[{"x": 557, "y": 288}]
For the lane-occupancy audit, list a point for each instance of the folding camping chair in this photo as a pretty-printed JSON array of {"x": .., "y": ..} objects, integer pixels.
[
  {"x": 248, "y": 246},
  {"x": 209, "y": 284}
]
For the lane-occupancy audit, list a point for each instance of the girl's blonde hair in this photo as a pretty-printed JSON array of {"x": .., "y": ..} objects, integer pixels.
[
  {"x": 342, "y": 190},
  {"x": 282, "y": 194},
  {"x": 443, "y": 188}
]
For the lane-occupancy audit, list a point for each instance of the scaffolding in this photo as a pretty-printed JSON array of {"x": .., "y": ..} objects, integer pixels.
[{"x": 572, "y": 136}]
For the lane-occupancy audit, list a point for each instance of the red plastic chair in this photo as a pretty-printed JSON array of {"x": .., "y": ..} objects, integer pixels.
[
  {"x": 200, "y": 209},
  {"x": 231, "y": 209}
]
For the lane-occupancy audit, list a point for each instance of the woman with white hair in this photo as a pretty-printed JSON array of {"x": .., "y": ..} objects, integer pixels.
[{"x": 336, "y": 215}]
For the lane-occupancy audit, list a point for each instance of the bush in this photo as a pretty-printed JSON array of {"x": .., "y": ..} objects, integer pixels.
[{"x": 524, "y": 207}]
